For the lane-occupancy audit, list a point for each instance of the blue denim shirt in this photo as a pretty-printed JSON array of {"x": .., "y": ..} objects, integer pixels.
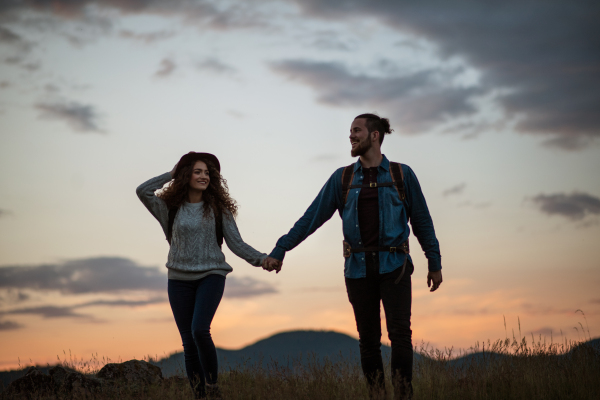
[{"x": 393, "y": 221}]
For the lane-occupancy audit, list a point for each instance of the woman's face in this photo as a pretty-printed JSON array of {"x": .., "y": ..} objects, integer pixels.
[{"x": 200, "y": 178}]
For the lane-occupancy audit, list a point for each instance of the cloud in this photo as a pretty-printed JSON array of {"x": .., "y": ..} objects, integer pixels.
[
  {"x": 215, "y": 66},
  {"x": 458, "y": 189},
  {"x": 247, "y": 287},
  {"x": 80, "y": 117},
  {"x": 5, "y": 213},
  {"x": 9, "y": 325},
  {"x": 4, "y": 84},
  {"x": 48, "y": 312},
  {"x": 202, "y": 13},
  {"x": 87, "y": 275},
  {"x": 236, "y": 114},
  {"x": 123, "y": 302},
  {"x": 418, "y": 100},
  {"x": 166, "y": 68},
  {"x": 148, "y": 37},
  {"x": 110, "y": 275},
  {"x": 546, "y": 54},
  {"x": 12, "y": 296},
  {"x": 329, "y": 40},
  {"x": 545, "y": 331},
  {"x": 10, "y": 38},
  {"x": 573, "y": 206}
]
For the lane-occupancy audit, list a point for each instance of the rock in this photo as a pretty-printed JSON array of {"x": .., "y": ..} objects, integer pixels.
[
  {"x": 80, "y": 385},
  {"x": 58, "y": 375},
  {"x": 138, "y": 373},
  {"x": 34, "y": 382}
]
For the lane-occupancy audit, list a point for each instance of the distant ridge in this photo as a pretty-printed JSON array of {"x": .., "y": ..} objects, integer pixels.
[{"x": 282, "y": 348}]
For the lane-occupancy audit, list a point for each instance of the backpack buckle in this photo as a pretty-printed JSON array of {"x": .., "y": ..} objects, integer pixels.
[
  {"x": 347, "y": 249},
  {"x": 392, "y": 249},
  {"x": 373, "y": 184}
]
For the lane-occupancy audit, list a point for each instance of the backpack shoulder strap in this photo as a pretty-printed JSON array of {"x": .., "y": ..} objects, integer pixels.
[
  {"x": 347, "y": 177},
  {"x": 398, "y": 179},
  {"x": 172, "y": 213},
  {"x": 219, "y": 226}
]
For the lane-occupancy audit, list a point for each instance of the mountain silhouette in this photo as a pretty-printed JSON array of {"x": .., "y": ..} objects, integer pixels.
[{"x": 285, "y": 349}]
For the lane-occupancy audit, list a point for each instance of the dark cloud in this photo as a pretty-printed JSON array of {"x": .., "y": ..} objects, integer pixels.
[
  {"x": 573, "y": 206},
  {"x": 109, "y": 275},
  {"x": 215, "y": 66},
  {"x": 9, "y": 325},
  {"x": 418, "y": 100},
  {"x": 48, "y": 312},
  {"x": 23, "y": 63},
  {"x": 80, "y": 117},
  {"x": 247, "y": 287},
  {"x": 147, "y": 37},
  {"x": 546, "y": 53},
  {"x": 123, "y": 302},
  {"x": 166, "y": 68},
  {"x": 11, "y": 38},
  {"x": 457, "y": 189},
  {"x": 70, "y": 311},
  {"x": 202, "y": 13},
  {"x": 88, "y": 275},
  {"x": 545, "y": 331}
]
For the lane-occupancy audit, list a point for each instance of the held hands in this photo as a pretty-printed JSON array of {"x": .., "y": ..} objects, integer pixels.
[
  {"x": 435, "y": 278},
  {"x": 271, "y": 264}
]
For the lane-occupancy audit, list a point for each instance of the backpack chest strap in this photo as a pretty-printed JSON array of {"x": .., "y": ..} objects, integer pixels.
[
  {"x": 403, "y": 248},
  {"x": 374, "y": 185}
]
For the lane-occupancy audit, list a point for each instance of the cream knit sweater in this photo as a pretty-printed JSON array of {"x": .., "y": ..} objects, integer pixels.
[{"x": 194, "y": 252}]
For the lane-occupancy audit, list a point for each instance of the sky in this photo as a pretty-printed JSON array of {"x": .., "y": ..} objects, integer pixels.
[{"x": 494, "y": 106}]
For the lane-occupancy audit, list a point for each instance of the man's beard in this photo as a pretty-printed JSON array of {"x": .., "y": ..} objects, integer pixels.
[{"x": 362, "y": 148}]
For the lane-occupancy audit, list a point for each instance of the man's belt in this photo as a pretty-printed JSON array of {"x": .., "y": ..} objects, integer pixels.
[{"x": 348, "y": 250}]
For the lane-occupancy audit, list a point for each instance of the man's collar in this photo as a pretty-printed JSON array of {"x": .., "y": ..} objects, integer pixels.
[{"x": 385, "y": 164}]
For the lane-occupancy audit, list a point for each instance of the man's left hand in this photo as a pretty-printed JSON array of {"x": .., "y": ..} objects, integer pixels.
[{"x": 435, "y": 278}]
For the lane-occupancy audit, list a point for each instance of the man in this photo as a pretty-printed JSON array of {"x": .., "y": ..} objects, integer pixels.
[{"x": 375, "y": 212}]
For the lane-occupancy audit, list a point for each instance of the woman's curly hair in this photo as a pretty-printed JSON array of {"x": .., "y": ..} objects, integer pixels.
[{"x": 216, "y": 196}]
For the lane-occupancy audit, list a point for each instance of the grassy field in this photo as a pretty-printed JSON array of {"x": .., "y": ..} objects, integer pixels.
[{"x": 505, "y": 369}]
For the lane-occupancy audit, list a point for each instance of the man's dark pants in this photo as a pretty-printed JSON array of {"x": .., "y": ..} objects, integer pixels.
[{"x": 365, "y": 295}]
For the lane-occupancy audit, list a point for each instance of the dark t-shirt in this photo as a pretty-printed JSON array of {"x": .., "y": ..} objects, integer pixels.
[{"x": 368, "y": 210}]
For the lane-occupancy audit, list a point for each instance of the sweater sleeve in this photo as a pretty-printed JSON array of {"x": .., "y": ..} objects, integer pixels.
[
  {"x": 154, "y": 204},
  {"x": 237, "y": 245}
]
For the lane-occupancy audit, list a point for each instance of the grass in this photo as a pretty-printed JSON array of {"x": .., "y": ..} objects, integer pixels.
[{"x": 504, "y": 369}]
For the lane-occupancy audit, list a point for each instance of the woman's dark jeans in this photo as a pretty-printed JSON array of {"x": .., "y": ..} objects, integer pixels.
[
  {"x": 194, "y": 304},
  {"x": 365, "y": 295}
]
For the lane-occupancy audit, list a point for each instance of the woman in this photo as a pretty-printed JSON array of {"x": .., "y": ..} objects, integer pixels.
[{"x": 186, "y": 210}]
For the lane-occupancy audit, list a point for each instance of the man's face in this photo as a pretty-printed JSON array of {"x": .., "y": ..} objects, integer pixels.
[{"x": 360, "y": 139}]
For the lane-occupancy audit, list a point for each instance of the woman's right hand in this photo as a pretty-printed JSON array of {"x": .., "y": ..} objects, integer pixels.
[{"x": 173, "y": 171}]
